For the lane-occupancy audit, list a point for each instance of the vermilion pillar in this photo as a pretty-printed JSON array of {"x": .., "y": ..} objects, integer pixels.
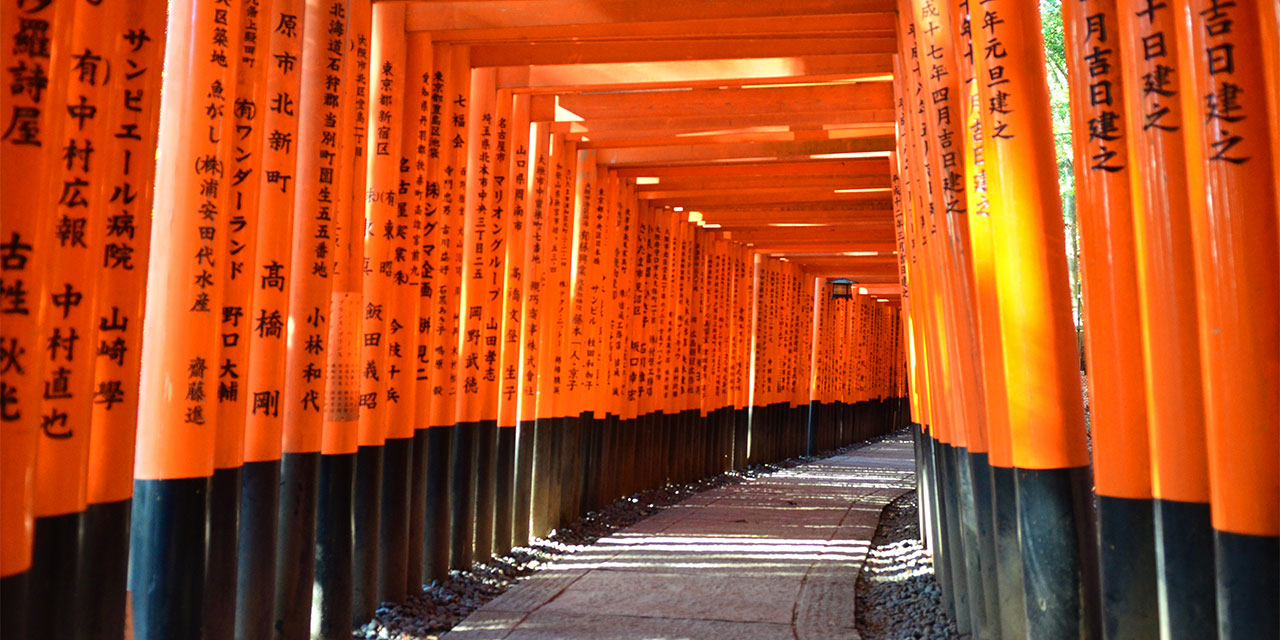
[
  {"x": 945, "y": 118},
  {"x": 514, "y": 434},
  {"x": 177, "y": 402},
  {"x": 534, "y": 295},
  {"x": 238, "y": 268},
  {"x": 1237, "y": 268},
  {"x": 470, "y": 402},
  {"x": 487, "y": 268},
  {"x": 420, "y": 202},
  {"x": 443, "y": 177},
  {"x": 391, "y": 131},
  {"x": 340, "y": 432},
  {"x": 1041, "y": 358},
  {"x": 27, "y": 174},
  {"x": 68, "y": 334},
  {"x": 280, "y": 28},
  {"x": 1104, "y": 167},
  {"x": 946, "y": 417},
  {"x": 130, "y": 184},
  {"x": 1163, "y": 207},
  {"x": 381, "y": 166},
  {"x": 317, "y": 179}
]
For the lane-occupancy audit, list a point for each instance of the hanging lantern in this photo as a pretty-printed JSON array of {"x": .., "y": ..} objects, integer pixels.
[{"x": 840, "y": 288}]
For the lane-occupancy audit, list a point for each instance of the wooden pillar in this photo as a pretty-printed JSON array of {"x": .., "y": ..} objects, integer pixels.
[
  {"x": 532, "y": 182},
  {"x": 103, "y": 558},
  {"x": 238, "y": 268},
  {"x": 387, "y": 427},
  {"x": 555, "y": 312},
  {"x": 279, "y": 39},
  {"x": 39, "y": 36},
  {"x": 177, "y": 407},
  {"x": 1228, "y": 136},
  {"x": 1042, "y": 362},
  {"x": 317, "y": 178},
  {"x": 420, "y": 201},
  {"x": 445, "y": 244},
  {"x": 1162, "y": 210},
  {"x": 68, "y": 336},
  {"x": 1104, "y": 171},
  {"x": 478, "y": 88},
  {"x": 516, "y": 146},
  {"x": 486, "y": 274},
  {"x": 462, "y": 454},
  {"x": 511, "y": 158},
  {"x": 340, "y": 433},
  {"x": 946, "y": 419}
]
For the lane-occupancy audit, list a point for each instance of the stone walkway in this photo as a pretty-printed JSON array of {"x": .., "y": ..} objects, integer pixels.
[{"x": 772, "y": 557}]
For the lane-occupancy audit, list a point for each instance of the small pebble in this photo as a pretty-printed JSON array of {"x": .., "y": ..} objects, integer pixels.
[{"x": 898, "y": 595}]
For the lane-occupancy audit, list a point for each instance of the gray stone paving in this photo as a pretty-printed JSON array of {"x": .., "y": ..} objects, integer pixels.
[{"x": 773, "y": 557}]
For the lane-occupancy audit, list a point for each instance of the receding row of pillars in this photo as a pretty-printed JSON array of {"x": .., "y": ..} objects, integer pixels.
[
  {"x": 1157, "y": 513},
  {"x": 319, "y": 314}
]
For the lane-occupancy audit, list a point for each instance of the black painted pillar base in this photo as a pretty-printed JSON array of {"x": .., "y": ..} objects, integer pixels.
[
  {"x": 1127, "y": 560},
  {"x": 1054, "y": 529},
  {"x": 103, "y": 572},
  {"x": 652, "y": 473},
  {"x": 522, "y": 505},
  {"x": 661, "y": 449},
  {"x": 486, "y": 485},
  {"x": 600, "y": 485},
  {"x": 1184, "y": 569},
  {"x": 627, "y": 464},
  {"x": 575, "y": 469},
  {"x": 220, "y": 572},
  {"x": 956, "y": 548},
  {"x": 168, "y": 547},
  {"x": 462, "y": 493},
  {"x": 812, "y": 445},
  {"x": 968, "y": 519},
  {"x": 256, "y": 577},
  {"x": 726, "y": 446},
  {"x": 417, "y": 513},
  {"x": 504, "y": 491},
  {"x": 570, "y": 469},
  {"x": 335, "y": 546},
  {"x": 688, "y": 444},
  {"x": 13, "y": 605},
  {"x": 740, "y": 423},
  {"x": 922, "y": 486},
  {"x": 942, "y": 549},
  {"x": 1248, "y": 585},
  {"x": 367, "y": 507},
  {"x": 980, "y": 475},
  {"x": 393, "y": 529},
  {"x": 435, "y": 543},
  {"x": 52, "y": 579},
  {"x": 540, "y": 486},
  {"x": 556, "y": 445},
  {"x": 295, "y": 544},
  {"x": 587, "y": 478},
  {"x": 1013, "y": 602}
]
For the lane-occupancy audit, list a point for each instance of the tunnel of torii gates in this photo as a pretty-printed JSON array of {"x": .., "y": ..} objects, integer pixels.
[{"x": 411, "y": 282}]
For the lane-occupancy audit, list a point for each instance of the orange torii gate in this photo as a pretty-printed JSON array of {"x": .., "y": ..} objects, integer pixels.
[{"x": 411, "y": 283}]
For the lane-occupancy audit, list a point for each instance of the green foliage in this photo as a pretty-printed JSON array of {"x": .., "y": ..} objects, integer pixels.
[{"x": 1056, "y": 67}]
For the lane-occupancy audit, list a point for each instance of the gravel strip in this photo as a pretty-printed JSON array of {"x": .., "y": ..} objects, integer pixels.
[
  {"x": 444, "y": 603},
  {"x": 898, "y": 596}
]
